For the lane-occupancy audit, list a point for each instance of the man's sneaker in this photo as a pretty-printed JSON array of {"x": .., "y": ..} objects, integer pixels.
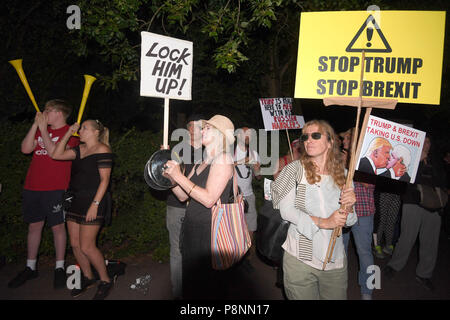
[
  {"x": 389, "y": 272},
  {"x": 22, "y": 277},
  {"x": 389, "y": 250},
  {"x": 85, "y": 284},
  {"x": 103, "y": 290},
  {"x": 378, "y": 252},
  {"x": 425, "y": 282},
  {"x": 60, "y": 278}
]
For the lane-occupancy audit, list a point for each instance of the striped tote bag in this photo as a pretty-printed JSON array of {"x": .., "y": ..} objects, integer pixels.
[{"x": 230, "y": 239}]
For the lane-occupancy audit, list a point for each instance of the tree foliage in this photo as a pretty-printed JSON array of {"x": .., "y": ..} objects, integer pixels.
[{"x": 110, "y": 29}]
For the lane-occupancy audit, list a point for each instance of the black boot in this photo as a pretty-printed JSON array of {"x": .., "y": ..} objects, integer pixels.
[
  {"x": 103, "y": 290},
  {"x": 85, "y": 284}
]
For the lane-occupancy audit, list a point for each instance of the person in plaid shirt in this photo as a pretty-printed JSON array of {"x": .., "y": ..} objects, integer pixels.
[{"x": 362, "y": 230}]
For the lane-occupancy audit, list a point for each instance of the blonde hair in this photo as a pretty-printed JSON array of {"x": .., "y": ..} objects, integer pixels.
[
  {"x": 377, "y": 143},
  {"x": 219, "y": 144},
  {"x": 60, "y": 105},
  {"x": 334, "y": 164},
  {"x": 103, "y": 132}
]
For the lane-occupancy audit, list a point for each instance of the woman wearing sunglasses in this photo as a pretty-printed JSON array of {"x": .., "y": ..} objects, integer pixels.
[
  {"x": 207, "y": 182},
  {"x": 309, "y": 193}
]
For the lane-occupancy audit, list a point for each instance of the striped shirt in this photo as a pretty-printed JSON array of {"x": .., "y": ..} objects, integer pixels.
[{"x": 305, "y": 240}]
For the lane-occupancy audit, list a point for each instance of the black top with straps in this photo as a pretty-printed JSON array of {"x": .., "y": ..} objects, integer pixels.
[
  {"x": 200, "y": 281},
  {"x": 84, "y": 182}
]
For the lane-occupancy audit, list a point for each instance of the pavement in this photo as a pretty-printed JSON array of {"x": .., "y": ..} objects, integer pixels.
[{"x": 256, "y": 282}]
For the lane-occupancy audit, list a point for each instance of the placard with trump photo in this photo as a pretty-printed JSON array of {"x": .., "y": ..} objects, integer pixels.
[{"x": 391, "y": 150}]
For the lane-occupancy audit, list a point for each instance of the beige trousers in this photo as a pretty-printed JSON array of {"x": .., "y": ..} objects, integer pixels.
[{"x": 302, "y": 282}]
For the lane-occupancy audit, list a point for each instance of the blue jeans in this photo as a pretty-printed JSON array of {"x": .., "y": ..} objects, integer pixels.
[{"x": 362, "y": 233}]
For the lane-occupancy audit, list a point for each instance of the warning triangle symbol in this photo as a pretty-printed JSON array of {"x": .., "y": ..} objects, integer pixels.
[{"x": 364, "y": 40}]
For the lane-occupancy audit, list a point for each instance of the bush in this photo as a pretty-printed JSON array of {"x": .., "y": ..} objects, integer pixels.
[
  {"x": 14, "y": 166},
  {"x": 138, "y": 223}
]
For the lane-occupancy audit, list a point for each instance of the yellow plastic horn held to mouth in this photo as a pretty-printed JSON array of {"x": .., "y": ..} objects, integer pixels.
[{"x": 17, "y": 64}]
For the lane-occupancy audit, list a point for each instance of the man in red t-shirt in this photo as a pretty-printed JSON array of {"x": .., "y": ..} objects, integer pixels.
[{"x": 45, "y": 183}]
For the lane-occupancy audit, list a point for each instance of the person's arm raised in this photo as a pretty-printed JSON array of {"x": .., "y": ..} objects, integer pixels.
[
  {"x": 60, "y": 152},
  {"x": 42, "y": 122},
  {"x": 219, "y": 175},
  {"x": 29, "y": 142}
]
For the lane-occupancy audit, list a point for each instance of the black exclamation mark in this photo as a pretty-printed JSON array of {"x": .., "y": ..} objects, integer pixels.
[
  {"x": 369, "y": 36},
  {"x": 181, "y": 87}
]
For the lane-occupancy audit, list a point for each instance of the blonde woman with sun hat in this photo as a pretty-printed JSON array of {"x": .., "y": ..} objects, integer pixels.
[{"x": 207, "y": 182}]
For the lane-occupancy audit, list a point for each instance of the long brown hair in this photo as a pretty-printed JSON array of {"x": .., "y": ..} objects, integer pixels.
[{"x": 334, "y": 163}]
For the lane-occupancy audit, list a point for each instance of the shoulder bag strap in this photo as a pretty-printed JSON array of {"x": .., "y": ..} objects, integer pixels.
[
  {"x": 235, "y": 184},
  {"x": 300, "y": 191}
]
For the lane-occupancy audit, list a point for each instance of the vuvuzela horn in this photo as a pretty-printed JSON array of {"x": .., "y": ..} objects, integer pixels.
[
  {"x": 88, "y": 81},
  {"x": 17, "y": 64}
]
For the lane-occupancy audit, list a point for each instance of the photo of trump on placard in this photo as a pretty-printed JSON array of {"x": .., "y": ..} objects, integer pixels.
[
  {"x": 377, "y": 156},
  {"x": 391, "y": 150}
]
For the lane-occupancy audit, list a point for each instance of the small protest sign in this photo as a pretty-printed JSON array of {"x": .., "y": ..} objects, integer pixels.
[
  {"x": 166, "y": 67},
  {"x": 391, "y": 150},
  {"x": 277, "y": 114}
]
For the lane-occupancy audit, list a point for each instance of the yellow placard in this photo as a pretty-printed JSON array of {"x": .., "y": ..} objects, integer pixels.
[{"x": 403, "y": 55}]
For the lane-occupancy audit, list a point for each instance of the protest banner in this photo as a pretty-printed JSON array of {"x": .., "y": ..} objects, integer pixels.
[
  {"x": 391, "y": 150},
  {"x": 404, "y": 55},
  {"x": 277, "y": 114},
  {"x": 166, "y": 72},
  {"x": 166, "y": 67}
]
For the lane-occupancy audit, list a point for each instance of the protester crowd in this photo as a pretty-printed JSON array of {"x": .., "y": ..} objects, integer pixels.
[{"x": 68, "y": 184}]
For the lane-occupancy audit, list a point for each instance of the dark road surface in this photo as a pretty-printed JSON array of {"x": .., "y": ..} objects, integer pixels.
[{"x": 257, "y": 283}]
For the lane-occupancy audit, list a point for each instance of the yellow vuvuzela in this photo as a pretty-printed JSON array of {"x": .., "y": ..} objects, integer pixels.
[
  {"x": 88, "y": 81},
  {"x": 17, "y": 64}
]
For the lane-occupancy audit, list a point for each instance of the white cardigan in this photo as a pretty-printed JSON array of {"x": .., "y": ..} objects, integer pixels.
[{"x": 320, "y": 200}]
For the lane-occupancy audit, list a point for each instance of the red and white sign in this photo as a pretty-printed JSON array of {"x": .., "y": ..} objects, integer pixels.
[{"x": 277, "y": 114}]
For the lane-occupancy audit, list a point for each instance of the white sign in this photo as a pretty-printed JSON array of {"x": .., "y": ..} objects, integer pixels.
[
  {"x": 267, "y": 189},
  {"x": 391, "y": 150},
  {"x": 277, "y": 114},
  {"x": 166, "y": 67}
]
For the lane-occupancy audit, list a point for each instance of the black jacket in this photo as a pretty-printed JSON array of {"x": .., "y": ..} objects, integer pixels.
[{"x": 431, "y": 173}]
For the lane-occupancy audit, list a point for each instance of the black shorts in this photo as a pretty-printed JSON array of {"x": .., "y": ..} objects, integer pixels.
[{"x": 40, "y": 205}]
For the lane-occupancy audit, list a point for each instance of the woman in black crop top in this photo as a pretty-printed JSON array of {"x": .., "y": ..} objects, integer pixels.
[{"x": 91, "y": 202}]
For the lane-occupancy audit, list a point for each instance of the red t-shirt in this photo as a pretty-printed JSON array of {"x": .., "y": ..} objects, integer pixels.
[{"x": 44, "y": 173}]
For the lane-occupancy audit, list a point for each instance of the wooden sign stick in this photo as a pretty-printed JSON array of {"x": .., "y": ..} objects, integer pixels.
[
  {"x": 166, "y": 124},
  {"x": 359, "y": 102},
  {"x": 290, "y": 147},
  {"x": 351, "y": 170}
]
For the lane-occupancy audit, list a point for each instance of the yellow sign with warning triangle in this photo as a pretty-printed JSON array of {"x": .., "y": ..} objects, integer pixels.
[
  {"x": 403, "y": 55},
  {"x": 365, "y": 39}
]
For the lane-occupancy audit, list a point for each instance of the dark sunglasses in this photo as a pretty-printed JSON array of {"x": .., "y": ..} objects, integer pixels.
[{"x": 315, "y": 135}]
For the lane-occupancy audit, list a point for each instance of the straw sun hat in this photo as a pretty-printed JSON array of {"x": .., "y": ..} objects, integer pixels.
[{"x": 224, "y": 125}]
